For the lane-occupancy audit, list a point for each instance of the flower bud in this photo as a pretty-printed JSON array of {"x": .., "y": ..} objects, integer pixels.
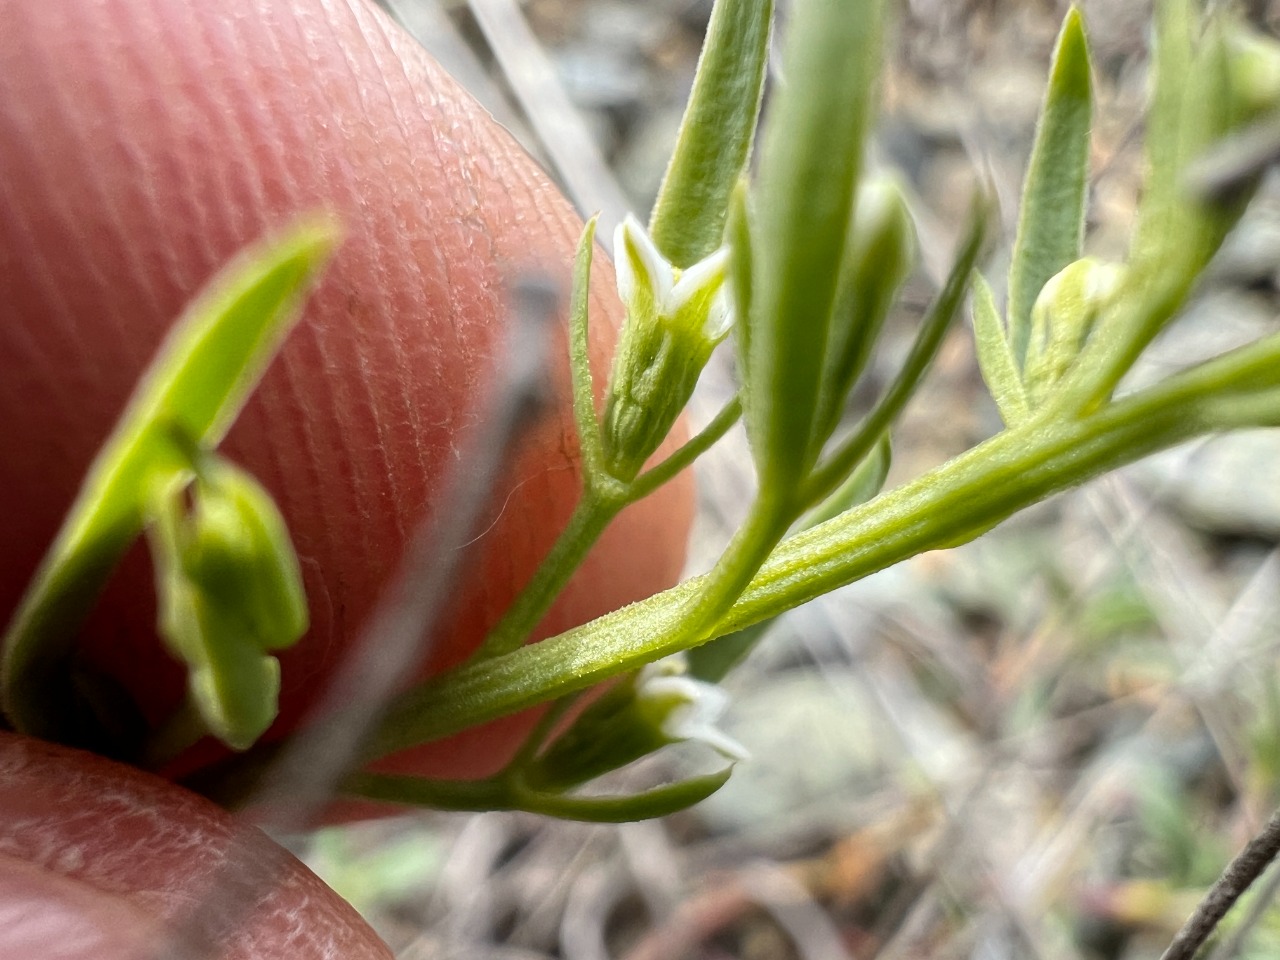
[
  {"x": 658, "y": 706},
  {"x": 1062, "y": 318},
  {"x": 237, "y": 552},
  {"x": 1254, "y": 64},
  {"x": 230, "y": 590},
  {"x": 675, "y": 319}
]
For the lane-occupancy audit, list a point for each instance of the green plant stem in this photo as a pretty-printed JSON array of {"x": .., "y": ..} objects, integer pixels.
[
  {"x": 695, "y": 447},
  {"x": 1247, "y": 866},
  {"x": 600, "y": 503},
  {"x": 766, "y": 524},
  {"x": 828, "y": 476},
  {"x": 950, "y": 505},
  {"x": 590, "y": 517}
]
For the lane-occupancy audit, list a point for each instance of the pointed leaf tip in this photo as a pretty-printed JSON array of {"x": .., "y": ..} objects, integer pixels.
[{"x": 1051, "y": 220}]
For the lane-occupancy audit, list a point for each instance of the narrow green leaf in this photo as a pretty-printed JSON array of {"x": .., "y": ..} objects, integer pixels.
[
  {"x": 809, "y": 170},
  {"x": 203, "y": 374},
  {"x": 499, "y": 794},
  {"x": 738, "y": 235},
  {"x": 1172, "y": 57},
  {"x": 716, "y": 133},
  {"x": 1051, "y": 218},
  {"x": 1194, "y": 106},
  {"x": 648, "y": 805},
  {"x": 995, "y": 358},
  {"x": 584, "y": 403}
]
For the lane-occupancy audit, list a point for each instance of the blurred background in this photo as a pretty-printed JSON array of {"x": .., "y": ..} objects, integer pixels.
[{"x": 1044, "y": 744}]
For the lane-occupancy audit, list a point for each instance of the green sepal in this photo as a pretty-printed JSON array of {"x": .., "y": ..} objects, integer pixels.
[
  {"x": 1051, "y": 216},
  {"x": 649, "y": 804},
  {"x": 659, "y": 705},
  {"x": 995, "y": 356},
  {"x": 716, "y": 132},
  {"x": 584, "y": 403},
  {"x": 201, "y": 377},
  {"x": 607, "y": 735}
]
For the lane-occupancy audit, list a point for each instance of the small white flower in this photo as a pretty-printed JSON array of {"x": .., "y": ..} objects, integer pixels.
[
  {"x": 675, "y": 320},
  {"x": 649, "y": 284},
  {"x": 686, "y": 708}
]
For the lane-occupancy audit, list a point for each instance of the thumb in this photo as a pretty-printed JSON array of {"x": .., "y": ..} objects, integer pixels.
[{"x": 142, "y": 143}]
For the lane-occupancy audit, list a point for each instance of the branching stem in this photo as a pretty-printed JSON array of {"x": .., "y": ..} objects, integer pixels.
[
  {"x": 592, "y": 514},
  {"x": 1248, "y": 865}
]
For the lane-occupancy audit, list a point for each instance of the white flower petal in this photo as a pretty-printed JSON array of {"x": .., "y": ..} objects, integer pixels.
[
  {"x": 719, "y": 741},
  {"x": 720, "y": 315},
  {"x": 704, "y": 275},
  {"x": 690, "y": 707},
  {"x": 631, "y": 243}
]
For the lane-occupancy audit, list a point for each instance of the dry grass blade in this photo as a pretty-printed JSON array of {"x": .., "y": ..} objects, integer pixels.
[
  {"x": 559, "y": 127},
  {"x": 428, "y": 23}
]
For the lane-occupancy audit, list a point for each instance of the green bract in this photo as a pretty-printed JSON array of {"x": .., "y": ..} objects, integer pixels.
[
  {"x": 1051, "y": 214},
  {"x": 804, "y": 203},
  {"x": 879, "y": 257},
  {"x": 716, "y": 132}
]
